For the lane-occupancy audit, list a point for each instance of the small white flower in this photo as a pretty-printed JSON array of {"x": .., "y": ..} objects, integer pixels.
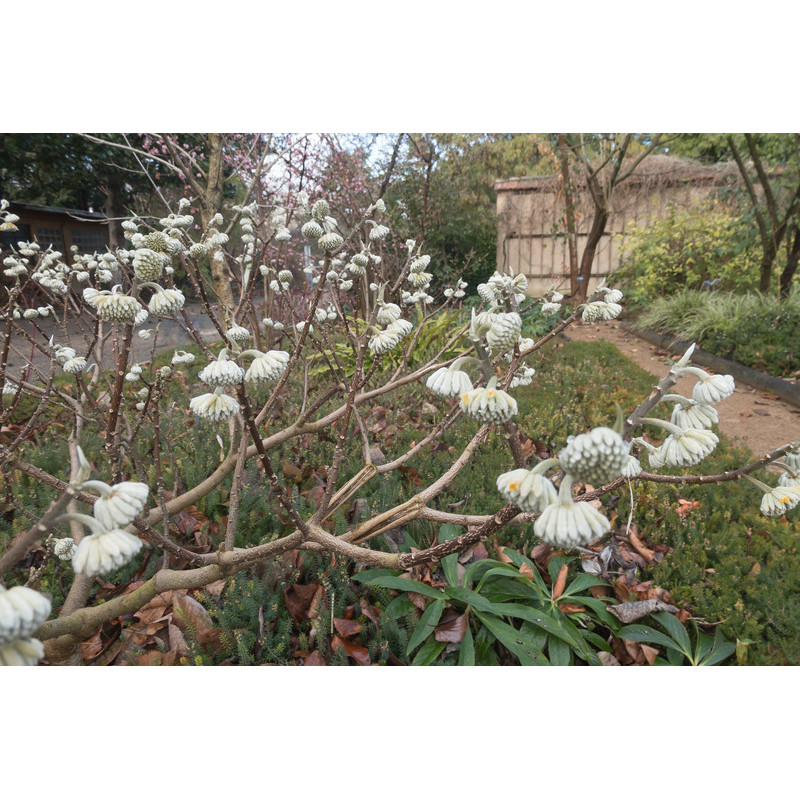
[
  {"x": 74, "y": 366},
  {"x": 383, "y": 341},
  {"x": 684, "y": 449},
  {"x": 528, "y": 489},
  {"x": 419, "y": 264},
  {"x": 214, "y": 406},
  {"x": 378, "y": 232},
  {"x": 320, "y": 209},
  {"x": 522, "y": 377},
  {"x": 101, "y": 553},
  {"x": 222, "y": 372},
  {"x": 113, "y": 306},
  {"x": 330, "y": 241},
  {"x": 566, "y": 523},
  {"x": 267, "y": 366},
  {"x": 402, "y": 327},
  {"x": 632, "y": 468},
  {"x": 166, "y": 302},
  {"x": 596, "y": 457},
  {"x": 713, "y": 389},
  {"x": 600, "y": 310},
  {"x": 449, "y": 382},
  {"x": 237, "y": 333},
  {"x": 548, "y": 309},
  {"x": 182, "y": 357},
  {"x": 64, "y": 548},
  {"x": 120, "y": 504},
  {"x": 22, "y": 652},
  {"x": 147, "y": 264},
  {"x": 489, "y": 404},
  {"x": 312, "y": 229},
  {"x": 22, "y": 611},
  {"x": 778, "y": 501},
  {"x": 786, "y": 479},
  {"x": 388, "y": 313},
  {"x": 504, "y": 331},
  {"x": 695, "y": 415}
]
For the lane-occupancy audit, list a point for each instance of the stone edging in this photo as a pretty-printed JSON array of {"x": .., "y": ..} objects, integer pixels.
[{"x": 758, "y": 380}]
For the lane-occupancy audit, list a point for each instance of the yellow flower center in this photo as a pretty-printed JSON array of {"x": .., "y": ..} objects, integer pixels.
[{"x": 513, "y": 486}]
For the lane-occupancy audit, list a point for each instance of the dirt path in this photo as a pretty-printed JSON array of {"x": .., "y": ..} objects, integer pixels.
[{"x": 750, "y": 416}]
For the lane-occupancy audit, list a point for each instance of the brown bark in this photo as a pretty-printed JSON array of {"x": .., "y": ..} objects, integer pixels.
[
  {"x": 211, "y": 204},
  {"x": 789, "y": 270},
  {"x": 592, "y": 243},
  {"x": 569, "y": 206}
]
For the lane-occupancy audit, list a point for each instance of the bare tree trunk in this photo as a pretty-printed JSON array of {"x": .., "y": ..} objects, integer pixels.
[
  {"x": 569, "y": 203},
  {"x": 114, "y": 210},
  {"x": 211, "y": 204},
  {"x": 587, "y": 259},
  {"x": 789, "y": 270}
]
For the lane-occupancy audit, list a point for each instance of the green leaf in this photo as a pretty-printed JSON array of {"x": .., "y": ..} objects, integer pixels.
[
  {"x": 428, "y": 653},
  {"x": 559, "y": 653},
  {"x": 466, "y": 653},
  {"x": 580, "y": 583},
  {"x": 519, "y": 560},
  {"x": 399, "y": 607},
  {"x": 450, "y": 563},
  {"x": 644, "y": 633},
  {"x": 427, "y": 622},
  {"x": 366, "y": 575},
  {"x": 721, "y": 650},
  {"x": 402, "y": 585},
  {"x": 513, "y": 640},
  {"x": 475, "y": 569},
  {"x": 676, "y": 630}
]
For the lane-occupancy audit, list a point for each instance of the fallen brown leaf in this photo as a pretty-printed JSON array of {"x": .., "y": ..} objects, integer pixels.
[
  {"x": 92, "y": 648},
  {"x": 298, "y": 598},
  {"x": 359, "y": 654},
  {"x": 314, "y": 660},
  {"x": 561, "y": 582},
  {"x": 644, "y": 552},
  {"x": 630, "y": 612},
  {"x": 451, "y": 630},
  {"x": 346, "y": 627}
]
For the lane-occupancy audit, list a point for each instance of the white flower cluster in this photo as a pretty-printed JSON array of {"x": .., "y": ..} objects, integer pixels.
[
  {"x": 266, "y": 367},
  {"x": 500, "y": 287},
  {"x": 449, "y": 381},
  {"x": 113, "y": 306},
  {"x": 322, "y": 227},
  {"x": 607, "y": 308},
  {"x": 215, "y": 406},
  {"x": 528, "y": 488},
  {"x": 690, "y": 439},
  {"x": 596, "y": 457},
  {"x": 22, "y": 612},
  {"x": 551, "y": 302},
  {"x": 458, "y": 292},
  {"x": 7, "y": 219},
  {"x": 108, "y": 547},
  {"x": 489, "y": 404},
  {"x": 504, "y": 331}
]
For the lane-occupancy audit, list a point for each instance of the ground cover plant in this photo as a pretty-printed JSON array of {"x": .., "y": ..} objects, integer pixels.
[
  {"x": 219, "y": 507},
  {"x": 759, "y": 331}
]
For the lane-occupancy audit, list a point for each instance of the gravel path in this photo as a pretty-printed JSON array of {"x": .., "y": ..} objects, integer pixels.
[{"x": 758, "y": 420}]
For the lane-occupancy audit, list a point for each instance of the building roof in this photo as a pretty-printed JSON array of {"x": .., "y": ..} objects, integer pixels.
[{"x": 89, "y": 216}]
